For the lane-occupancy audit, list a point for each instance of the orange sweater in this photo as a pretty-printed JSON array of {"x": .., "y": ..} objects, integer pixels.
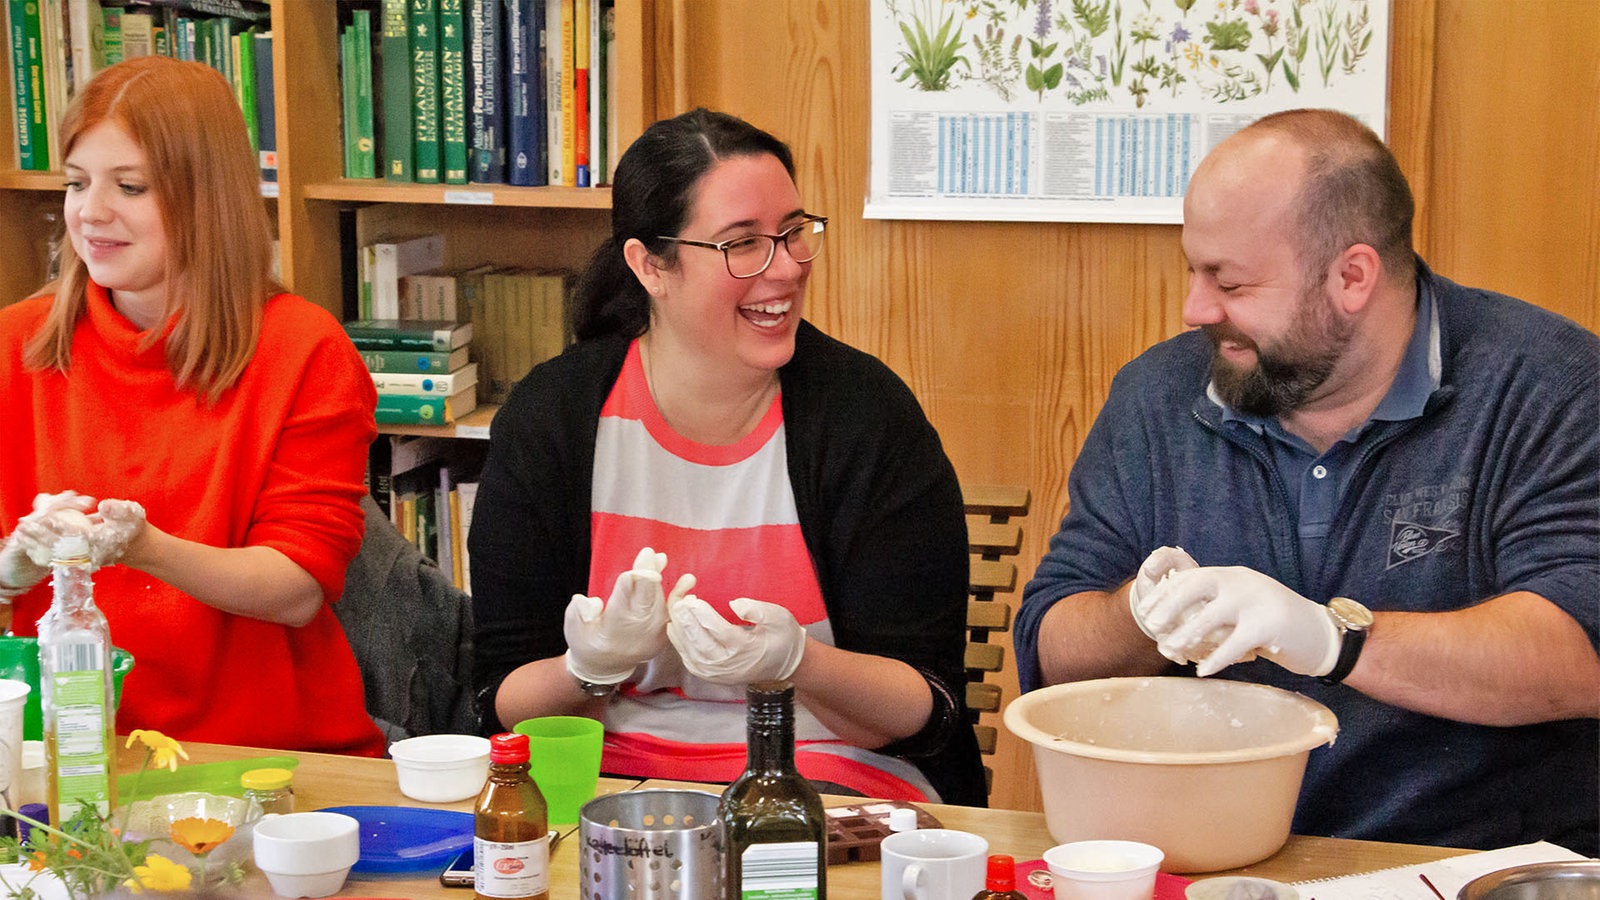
[{"x": 277, "y": 462}]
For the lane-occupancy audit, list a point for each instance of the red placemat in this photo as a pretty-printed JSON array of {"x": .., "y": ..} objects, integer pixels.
[{"x": 1033, "y": 880}]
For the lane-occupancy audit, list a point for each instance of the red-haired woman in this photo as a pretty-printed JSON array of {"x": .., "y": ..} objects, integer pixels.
[{"x": 213, "y": 427}]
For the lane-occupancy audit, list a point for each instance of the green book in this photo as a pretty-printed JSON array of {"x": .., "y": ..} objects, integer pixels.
[
  {"x": 111, "y": 34},
  {"x": 410, "y": 409},
  {"x": 347, "y": 97},
  {"x": 422, "y": 362},
  {"x": 244, "y": 83},
  {"x": 453, "y": 90},
  {"x": 425, "y": 90},
  {"x": 366, "y": 157},
  {"x": 434, "y": 335},
  {"x": 394, "y": 49},
  {"x": 33, "y": 138}
]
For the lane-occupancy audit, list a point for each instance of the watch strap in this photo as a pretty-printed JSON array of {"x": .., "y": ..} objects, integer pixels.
[{"x": 1350, "y": 644}]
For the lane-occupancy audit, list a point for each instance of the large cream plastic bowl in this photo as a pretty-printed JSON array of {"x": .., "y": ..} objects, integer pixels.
[{"x": 1208, "y": 770}]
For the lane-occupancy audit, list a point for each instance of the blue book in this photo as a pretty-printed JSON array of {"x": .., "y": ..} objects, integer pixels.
[
  {"x": 526, "y": 164},
  {"x": 486, "y": 152},
  {"x": 266, "y": 111}
]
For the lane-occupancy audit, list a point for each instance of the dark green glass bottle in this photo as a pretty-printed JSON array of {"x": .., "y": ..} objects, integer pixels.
[{"x": 777, "y": 836}]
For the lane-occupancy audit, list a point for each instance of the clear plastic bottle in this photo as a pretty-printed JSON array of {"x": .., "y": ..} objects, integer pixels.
[
  {"x": 77, "y": 691},
  {"x": 776, "y": 830},
  {"x": 510, "y": 846},
  {"x": 268, "y": 791}
]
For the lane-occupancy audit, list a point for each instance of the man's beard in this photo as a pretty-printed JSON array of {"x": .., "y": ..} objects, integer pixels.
[{"x": 1287, "y": 372}]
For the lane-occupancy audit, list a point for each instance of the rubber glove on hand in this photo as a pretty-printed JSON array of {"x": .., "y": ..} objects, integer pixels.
[
  {"x": 25, "y": 555},
  {"x": 1161, "y": 562},
  {"x": 605, "y": 642},
  {"x": 120, "y": 521},
  {"x": 721, "y": 652},
  {"x": 1258, "y": 614}
]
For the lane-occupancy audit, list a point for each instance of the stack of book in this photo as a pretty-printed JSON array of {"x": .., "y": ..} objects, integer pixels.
[
  {"x": 58, "y": 45},
  {"x": 484, "y": 91},
  {"x": 420, "y": 368}
]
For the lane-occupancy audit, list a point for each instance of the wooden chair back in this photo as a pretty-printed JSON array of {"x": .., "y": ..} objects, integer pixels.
[{"x": 993, "y": 532}]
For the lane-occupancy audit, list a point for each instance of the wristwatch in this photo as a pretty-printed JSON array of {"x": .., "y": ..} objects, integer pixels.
[
  {"x": 594, "y": 688},
  {"x": 1352, "y": 619}
]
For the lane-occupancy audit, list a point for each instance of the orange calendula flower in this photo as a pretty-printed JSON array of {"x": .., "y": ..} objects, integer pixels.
[
  {"x": 159, "y": 874},
  {"x": 200, "y": 836},
  {"x": 36, "y": 861},
  {"x": 164, "y": 751}
]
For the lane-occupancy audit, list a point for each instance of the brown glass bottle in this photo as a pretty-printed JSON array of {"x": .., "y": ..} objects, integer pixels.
[
  {"x": 511, "y": 846},
  {"x": 1000, "y": 883},
  {"x": 776, "y": 831}
]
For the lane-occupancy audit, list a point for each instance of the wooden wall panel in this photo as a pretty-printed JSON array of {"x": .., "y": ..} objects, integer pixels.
[{"x": 1010, "y": 333}]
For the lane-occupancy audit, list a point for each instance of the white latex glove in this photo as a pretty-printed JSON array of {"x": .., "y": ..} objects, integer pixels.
[
  {"x": 119, "y": 521},
  {"x": 605, "y": 642},
  {"x": 25, "y": 555},
  {"x": 1258, "y": 614},
  {"x": 1159, "y": 564},
  {"x": 721, "y": 652}
]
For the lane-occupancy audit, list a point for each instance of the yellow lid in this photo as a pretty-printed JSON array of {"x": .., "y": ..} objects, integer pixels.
[{"x": 266, "y": 779}]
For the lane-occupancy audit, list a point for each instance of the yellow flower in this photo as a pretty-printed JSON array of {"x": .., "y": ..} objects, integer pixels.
[
  {"x": 159, "y": 874},
  {"x": 164, "y": 750},
  {"x": 200, "y": 836}
]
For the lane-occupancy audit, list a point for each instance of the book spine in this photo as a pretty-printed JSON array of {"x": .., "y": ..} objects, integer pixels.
[
  {"x": 425, "y": 384},
  {"x": 425, "y": 90},
  {"x": 380, "y": 478},
  {"x": 24, "y": 81},
  {"x": 600, "y": 82},
  {"x": 244, "y": 81},
  {"x": 395, "y": 87},
  {"x": 266, "y": 108},
  {"x": 53, "y": 55},
  {"x": 83, "y": 18},
  {"x": 419, "y": 362},
  {"x": 553, "y": 67},
  {"x": 569, "y": 121},
  {"x": 399, "y": 409},
  {"x": 347, "y": 96},
  {"x": 111, "y": 35},
  {"x": 136, "y": 34},
  {"x": 488, "y": 108},
  {"x": 366, "y": 157},
  {"x": 580, "y": 92},
  {"x": 453, "y": 90},
  {"x": 525, "y": 164}
]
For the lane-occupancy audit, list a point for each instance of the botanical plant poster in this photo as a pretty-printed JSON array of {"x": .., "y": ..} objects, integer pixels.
[{"x": 1096, "y": 110}]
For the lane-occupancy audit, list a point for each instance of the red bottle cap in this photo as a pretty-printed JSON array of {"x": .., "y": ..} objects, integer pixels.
[
  {"x": 508, "y": 748},
  {"x": 1002, "y": 873}
]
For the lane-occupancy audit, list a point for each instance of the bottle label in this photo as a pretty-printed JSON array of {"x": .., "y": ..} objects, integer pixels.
[
  {"x": 511, "y": 869},
  {"x": 83, "y": 759},
  {"x": 779, "y": 871}
]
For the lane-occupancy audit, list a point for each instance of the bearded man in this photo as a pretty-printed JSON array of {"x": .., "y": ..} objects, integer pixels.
[{"x": 1356, "y": 480}]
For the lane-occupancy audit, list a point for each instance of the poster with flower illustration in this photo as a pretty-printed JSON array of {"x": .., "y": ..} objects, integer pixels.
[{"x": 1096, "y": 110}]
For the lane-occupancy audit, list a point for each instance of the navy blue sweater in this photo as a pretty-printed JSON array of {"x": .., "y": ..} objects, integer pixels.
[{"x": 1492, "y": 490}]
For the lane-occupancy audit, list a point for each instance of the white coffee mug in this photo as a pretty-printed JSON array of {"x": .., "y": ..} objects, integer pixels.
[
  {"x": 306, "y": 854},
  {"x": 932, "y": 864}
]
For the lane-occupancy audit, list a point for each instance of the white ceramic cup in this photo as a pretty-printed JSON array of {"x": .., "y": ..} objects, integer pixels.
[
  {"x": 932, "y": 864},
  {"x": 13, "y": 696},
  {"x": 1104, "y": 870},
  {"x": 306, "y": 854}
]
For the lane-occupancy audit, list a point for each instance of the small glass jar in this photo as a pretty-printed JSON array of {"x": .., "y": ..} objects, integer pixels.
[{"x": 268, "y": 791}]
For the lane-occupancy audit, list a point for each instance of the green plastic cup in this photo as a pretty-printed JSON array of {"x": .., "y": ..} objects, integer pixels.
[
  {"x": 19, "y": 660},
  {"x": 564, "y": 760}
]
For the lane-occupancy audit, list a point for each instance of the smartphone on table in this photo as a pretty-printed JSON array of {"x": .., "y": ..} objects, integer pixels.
[{"x": 459, "y": 872}]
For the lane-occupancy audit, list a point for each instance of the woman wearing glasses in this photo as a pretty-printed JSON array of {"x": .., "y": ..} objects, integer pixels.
[{"x": 752, "y": 498}]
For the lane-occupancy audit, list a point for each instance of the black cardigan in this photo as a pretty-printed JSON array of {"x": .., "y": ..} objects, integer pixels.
[{"x": 879, "y": 504}]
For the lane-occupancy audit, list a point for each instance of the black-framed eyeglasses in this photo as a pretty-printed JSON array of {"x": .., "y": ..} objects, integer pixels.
[{"x": 750, "y": 255}]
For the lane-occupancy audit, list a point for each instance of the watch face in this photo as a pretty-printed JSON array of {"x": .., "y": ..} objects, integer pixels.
[{"x": 1351, "y": 613}]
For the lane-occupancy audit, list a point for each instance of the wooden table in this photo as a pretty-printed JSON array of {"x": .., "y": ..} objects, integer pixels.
[{"x": 323, "y": 780}]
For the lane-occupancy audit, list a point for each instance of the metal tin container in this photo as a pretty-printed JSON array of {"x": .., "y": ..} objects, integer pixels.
[
  {"x": 1574, "y": 880},
  {"x": 645, "y": 845}
]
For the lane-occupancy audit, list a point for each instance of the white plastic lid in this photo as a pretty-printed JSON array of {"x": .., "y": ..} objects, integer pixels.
[{"x": 902, "y": 819}]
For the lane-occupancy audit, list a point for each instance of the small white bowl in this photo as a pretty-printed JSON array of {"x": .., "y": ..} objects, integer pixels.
[
  {"x": 441, "y": 768},
  {"x": 307, "y": 854},
  {"x": 1103, "y": 870}
]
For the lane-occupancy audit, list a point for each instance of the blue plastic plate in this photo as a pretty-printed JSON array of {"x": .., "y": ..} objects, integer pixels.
[{"x": 407, "y": 838}]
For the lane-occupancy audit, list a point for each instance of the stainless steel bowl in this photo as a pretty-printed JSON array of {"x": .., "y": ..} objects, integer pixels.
[{"x": 1575, "y": 880}]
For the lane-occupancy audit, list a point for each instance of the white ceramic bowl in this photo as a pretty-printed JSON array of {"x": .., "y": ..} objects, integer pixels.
[
  {"x": 1205, "y": 769},
  {"x": 1103, "y": 870},
  {"x": 441, "y": 768},
  {"x": 307, "y": 854}
]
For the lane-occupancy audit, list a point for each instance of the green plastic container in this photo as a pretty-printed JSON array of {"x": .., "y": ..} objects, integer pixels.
[{"x": 19, "y": 660}]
